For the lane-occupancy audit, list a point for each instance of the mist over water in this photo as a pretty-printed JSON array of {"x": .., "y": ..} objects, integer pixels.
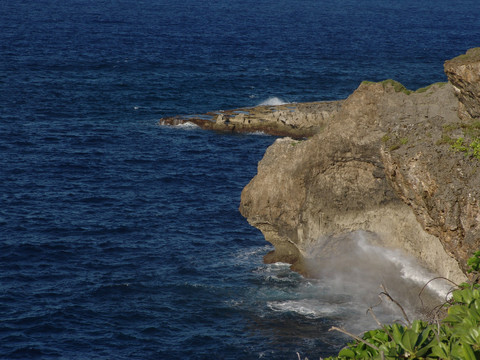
[
  {"x": 273, "y": 101},
  {"x": 349, "y": 272}
]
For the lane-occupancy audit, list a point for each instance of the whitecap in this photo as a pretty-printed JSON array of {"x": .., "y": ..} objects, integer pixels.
[
  {"x": 306, "y": 307},
  {"x": 258, "y": 133},
  {"x": 187, "y": 126},
  {"x": 251, "y": 254}
]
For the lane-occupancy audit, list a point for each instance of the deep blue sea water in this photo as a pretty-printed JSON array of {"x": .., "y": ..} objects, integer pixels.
[{"x": 121, "y": 239}]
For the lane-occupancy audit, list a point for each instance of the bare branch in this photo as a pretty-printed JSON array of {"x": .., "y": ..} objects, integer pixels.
[
  {"x": 429, "y": 281},
  {"x": 334, "y": 328},
  {"x": 370, "y": 310},
  {"x": 385, "y": 292}
]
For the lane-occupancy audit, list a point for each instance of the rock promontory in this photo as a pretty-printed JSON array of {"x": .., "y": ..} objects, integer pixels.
[
  {"x": 403, "y": 165},
  {"x": 294, "y": 120}
]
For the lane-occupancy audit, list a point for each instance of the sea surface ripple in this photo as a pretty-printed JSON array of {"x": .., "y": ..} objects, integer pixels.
[{"x": 120, "y": 238}]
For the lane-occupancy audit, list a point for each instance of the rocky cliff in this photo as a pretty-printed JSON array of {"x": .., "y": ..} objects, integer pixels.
[{"x": 402, "y": 165}]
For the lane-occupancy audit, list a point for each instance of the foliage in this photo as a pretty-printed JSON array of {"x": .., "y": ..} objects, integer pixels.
[
  {"x": 469, "y": 143},
  {"x": 404, "y": 141},
  {"x": 459, "y": 145},
  {"x": 396, "y": 142},
  {"x": 398, "y": 87},
  {"x": 470, "y": 149},
  {"x": 424, "y": 89},
  {"x": 474, "y": 263},
  {"x": 457, "y": 336}
]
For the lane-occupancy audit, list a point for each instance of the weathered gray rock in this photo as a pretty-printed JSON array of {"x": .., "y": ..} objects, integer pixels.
[{"x": 384, "y": 164}]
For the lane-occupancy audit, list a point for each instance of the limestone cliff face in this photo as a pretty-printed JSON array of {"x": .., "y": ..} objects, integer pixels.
[{"x": 384, "y": 163}]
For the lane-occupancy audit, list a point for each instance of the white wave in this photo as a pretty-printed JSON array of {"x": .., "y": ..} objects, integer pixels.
[
  {"x": 249, "y": 254},
  {"x": 306, "y": 307},
  {"x": 279, "y": 265},
  {"x": 258, "y": 133},
  {"x": 272, "y": 101},
  {"x": 275, "y": 268},
  {"x": 187, "y": 126}
]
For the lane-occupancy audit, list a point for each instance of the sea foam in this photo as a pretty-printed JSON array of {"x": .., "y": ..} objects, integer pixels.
[
  {"x": 187, "y": 126},
  {"x": 348, "y": 282},
  {"x": 273, "y": 101}
]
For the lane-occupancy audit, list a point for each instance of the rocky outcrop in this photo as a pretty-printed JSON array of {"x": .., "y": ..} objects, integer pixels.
[
  {"x": 295, "y": 120},
  {"x": 386, "y": 163},
  {"x": 464, "y": 74}
]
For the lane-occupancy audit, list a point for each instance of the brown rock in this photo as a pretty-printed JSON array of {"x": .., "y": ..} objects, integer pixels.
[
  {"x": 384, "y": 164},
  {"x": 295, "y": 120},
  {"x": 464, "y": 74}
]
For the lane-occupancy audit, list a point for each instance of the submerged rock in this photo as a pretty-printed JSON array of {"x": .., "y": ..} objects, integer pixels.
[{"x": 385, "y": 162}]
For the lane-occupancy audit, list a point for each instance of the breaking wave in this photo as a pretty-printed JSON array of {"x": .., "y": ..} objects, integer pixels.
[
  {"x": 348, "y": 283},
  {"x": 273, "y": 101},
  {"x": 187, "y": 126}
]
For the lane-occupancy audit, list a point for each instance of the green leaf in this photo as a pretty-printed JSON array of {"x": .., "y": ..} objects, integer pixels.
[
  {"x": 471, "y": 337},
  {"x": 418, "y": 326},
  {"x": 456, "y": 313},
  {"x": 474, "y": 261},
  {"x": 409, "y": 340},
  {"x": 473, "y": 314},
  {"x": 347, "y": 353},
  {"x": 422, "y": 351},
  {"x": 468, "y": 352},
  {"x": 441, "y": 350},
  {"x": 464, "y": 296},
  {"x": 397, "y": 333},
  {"x": 476, "y": 305}
]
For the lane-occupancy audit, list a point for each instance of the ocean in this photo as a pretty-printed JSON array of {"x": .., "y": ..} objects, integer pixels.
[{"x": 121, "y": 238}]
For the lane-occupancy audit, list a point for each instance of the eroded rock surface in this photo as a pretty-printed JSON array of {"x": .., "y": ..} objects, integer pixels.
[
  {"x": 295, "y": 120},
  {"x": 464, "y": 74},
  {"x": 384, "y": 164}
]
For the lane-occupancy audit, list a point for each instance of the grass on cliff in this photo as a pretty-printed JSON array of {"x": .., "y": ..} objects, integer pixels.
[
  {"x": 395, "y": 143},
  {"x": 456, "y": 336},
  {"x": 398, "y": 87},
  {"x": 471, "y": 55},
  {"x": 468, "y": 143}
]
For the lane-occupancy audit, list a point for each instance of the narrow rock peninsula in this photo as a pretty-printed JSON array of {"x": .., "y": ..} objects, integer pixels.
[
  {"x": 294, "y": 120},
  {"x": 402, "y": 165}
]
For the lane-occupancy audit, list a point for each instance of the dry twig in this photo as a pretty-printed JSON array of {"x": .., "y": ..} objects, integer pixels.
[
  {"x": 334, "y": 328},
  {"x": 385, "y": 292},
  {"x": 428, "y": 282}
]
